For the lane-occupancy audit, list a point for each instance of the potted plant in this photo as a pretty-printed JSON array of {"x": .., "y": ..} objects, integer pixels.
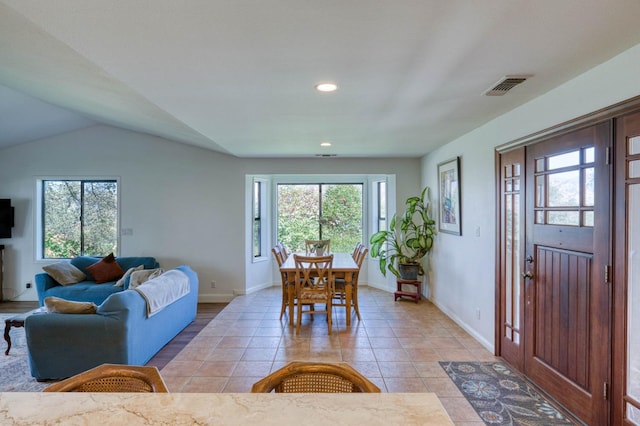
[
  {"x": 409, "y": 238},
  {"x": 318, "y": 249}
]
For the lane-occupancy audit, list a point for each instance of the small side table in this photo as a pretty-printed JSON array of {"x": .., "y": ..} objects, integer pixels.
[
  {"x": 17, "y": 321},
  {"x": 415, "y": 295}
]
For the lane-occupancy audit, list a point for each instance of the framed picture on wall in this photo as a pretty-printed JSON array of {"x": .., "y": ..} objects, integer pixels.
[{"x": 449, "y": 197}]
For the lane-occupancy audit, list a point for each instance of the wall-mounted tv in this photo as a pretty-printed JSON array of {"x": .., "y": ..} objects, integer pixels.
[{"x": 6, "y": 218}]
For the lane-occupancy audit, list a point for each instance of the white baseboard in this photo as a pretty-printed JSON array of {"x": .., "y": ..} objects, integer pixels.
[
  {"x": 256, "y": 288},
  {"x": 226, "y": 298},
  {"x": 379, "y": 287},
  {"x": 488, "y": 345},
  {"x": 215, "y": 298}
]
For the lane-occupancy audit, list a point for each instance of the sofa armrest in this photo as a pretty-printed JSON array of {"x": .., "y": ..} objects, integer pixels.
[
  {"x": 43, "y": 283},
  {"x": 61, "y": 345}
]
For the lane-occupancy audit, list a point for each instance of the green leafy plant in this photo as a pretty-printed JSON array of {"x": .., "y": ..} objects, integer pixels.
[{"x": 409, "y": 238}]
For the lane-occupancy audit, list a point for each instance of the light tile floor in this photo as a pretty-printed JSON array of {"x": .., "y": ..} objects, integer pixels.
[{"x": 397, "y": 345}]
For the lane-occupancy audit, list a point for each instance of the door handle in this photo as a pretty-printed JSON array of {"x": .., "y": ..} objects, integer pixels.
[{"x": 527, "y": 274}]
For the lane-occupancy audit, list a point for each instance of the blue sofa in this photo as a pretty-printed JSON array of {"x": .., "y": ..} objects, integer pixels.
[
  {"x": 88, "y": 290},
  {"x": 61, "y": 345}
]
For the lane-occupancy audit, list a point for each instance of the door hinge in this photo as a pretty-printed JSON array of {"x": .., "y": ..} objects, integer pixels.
[
  {"x": 605, "y": 390},
  {"x": 607, "y": 155},
  {"x": 607, "y": 274}
]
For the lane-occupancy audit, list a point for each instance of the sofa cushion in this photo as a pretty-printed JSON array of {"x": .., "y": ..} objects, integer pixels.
[
  {"x": 83, "y": 262},
  {"x": 130, "y": 262},
  {"x": 65, "y": 273},
  {"x": 61, "y": 306},
  {"x": 121, "y": 282},
  {"x": 106, "y": 269},
  {"x": 84, "y": 291},
  {"x": 138, "y": 277}
]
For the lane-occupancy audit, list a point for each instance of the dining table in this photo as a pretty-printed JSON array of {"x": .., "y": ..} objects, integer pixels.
[{"x": 344, "y": 266}]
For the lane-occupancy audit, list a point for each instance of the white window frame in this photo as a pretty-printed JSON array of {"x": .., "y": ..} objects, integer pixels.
[
  {"x": 318, "y": 179},
  {"x": 38, "y": 217},
  {"x": 265, "y": 216}
]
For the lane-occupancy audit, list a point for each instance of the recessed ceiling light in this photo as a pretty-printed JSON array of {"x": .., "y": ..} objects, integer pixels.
[
  {"x": 326, "y": 87},
  {"x": 325, "y": 144}
]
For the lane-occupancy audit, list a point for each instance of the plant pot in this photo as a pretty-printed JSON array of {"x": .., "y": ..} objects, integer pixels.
[
  {"x": 319, "y": 251},
  {"x": 409, "y": 271}
]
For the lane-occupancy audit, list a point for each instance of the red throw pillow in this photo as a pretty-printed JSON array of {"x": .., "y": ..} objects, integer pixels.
[{"x": 105, "y": 270}]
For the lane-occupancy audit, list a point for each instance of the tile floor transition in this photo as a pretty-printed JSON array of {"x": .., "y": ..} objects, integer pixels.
[{"x": 397, "y": 345}]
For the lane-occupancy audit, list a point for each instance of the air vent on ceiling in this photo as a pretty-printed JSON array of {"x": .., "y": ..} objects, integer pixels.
[
  {"x": 326, "y": 155},
  {"x": 505, "y": 84}
]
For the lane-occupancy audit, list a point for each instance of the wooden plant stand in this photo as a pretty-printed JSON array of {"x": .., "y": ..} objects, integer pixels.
[{"x": 415, "y": 295}]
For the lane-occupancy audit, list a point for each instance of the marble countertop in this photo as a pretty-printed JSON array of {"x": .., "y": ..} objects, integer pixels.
[{"x": 221, "y": 409}]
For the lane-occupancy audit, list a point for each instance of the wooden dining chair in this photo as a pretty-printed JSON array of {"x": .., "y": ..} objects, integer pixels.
[
  {"x": 356, "y": 251},
  {"x": 313, "y": 284},
  {"x": 311, "y": 246},
  {"x": 283, "y": 250},
  {"x": 339, "y": 289},
  {"x": 113, "y": 378},
  {"x": 313, "y": 377},
  {"x": 287, "y": 287}
]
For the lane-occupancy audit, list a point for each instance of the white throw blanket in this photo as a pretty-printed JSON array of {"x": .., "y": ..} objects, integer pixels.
[{"x": 163, "y": 290}]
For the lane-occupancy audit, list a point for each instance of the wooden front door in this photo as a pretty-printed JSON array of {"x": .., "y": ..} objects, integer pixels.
[
  {"x": 566, "y": 289},
  {"x": 554, "y": 292}
]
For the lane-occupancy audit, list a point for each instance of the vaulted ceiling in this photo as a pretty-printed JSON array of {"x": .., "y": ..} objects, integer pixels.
[{"x": 238, "y": 76}]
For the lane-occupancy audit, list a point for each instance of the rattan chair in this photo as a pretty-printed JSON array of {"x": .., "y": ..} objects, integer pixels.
[
  {"x": 310, "y": 377},
  {"x": 113, "y": 378}
]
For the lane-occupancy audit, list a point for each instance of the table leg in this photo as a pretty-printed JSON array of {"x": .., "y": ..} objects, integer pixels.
[
  {"x": 355, "y": 301},
  {"x": 7, "y": 337},
  {"x": 290, "y": 293},
  {"x": 348, "y": 288}
]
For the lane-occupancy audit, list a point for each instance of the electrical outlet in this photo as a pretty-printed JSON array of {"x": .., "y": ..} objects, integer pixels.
[
  {"x": 478, "y": 313},
  {"x": 213, "y": 284},
  {"x": 28, "y": 285}
]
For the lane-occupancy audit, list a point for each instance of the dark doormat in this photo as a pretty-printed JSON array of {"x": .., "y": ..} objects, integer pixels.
[{"x": 500, "y": 396}]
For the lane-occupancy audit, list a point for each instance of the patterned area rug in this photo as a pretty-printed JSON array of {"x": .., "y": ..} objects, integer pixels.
[
  {"x": 15, "y": 375},
  {"x": 500, "y": 396}
]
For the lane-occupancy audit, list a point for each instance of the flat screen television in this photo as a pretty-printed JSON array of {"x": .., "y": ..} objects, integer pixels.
[{"x": 6, "y": 218}]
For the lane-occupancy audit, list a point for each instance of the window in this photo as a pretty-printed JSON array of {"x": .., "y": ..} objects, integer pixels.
[
  {"x": 381, "y": 198},
  {"x": 565, "y": 188},
  {"x": 78, "y": 217},
  {"x": 320, "y": 211},
  {"x": 257, "y": 218}
]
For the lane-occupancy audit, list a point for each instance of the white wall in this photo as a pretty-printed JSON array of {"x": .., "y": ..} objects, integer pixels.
[
  {"x": 184, "y": 204},
  {"x": 462, "y": 277}
]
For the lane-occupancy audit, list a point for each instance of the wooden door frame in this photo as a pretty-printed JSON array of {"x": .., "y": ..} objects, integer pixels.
[
  {"x": 620, "y": 291},
  {"x": 500, "y": 266},
  {"x": 608, "y": 113}
]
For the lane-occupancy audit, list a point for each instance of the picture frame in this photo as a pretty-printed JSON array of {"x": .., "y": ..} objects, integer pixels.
[{"x": 449, "y": 190}]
